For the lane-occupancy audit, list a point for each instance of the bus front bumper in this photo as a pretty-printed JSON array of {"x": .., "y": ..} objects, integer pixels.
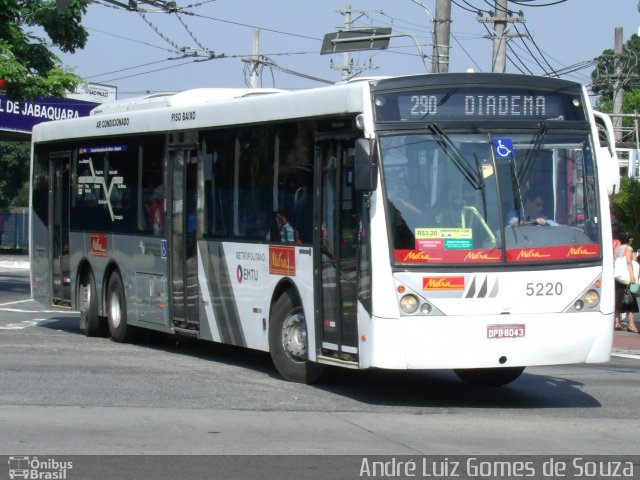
[{"x": 445, "y": 342}]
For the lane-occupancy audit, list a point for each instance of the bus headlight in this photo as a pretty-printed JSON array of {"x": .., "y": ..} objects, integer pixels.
[
  {"x": 409, "y": 303},
  {"x": 591, "y": 298}
]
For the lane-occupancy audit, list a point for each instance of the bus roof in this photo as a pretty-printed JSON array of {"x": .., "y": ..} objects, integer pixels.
[
  {"x": 218, "y": 107},
  {"x": 175, "y": 99},
  {"x": 206, "y": 108}
]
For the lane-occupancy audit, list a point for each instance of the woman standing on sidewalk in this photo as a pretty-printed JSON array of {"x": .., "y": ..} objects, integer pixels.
[{"x": 625, "y": 250}]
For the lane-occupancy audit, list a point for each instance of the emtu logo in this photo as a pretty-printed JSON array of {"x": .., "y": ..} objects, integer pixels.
[{"x": 246, "y": 274}]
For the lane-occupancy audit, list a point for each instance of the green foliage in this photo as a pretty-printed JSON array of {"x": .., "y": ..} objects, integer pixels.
[
  {"x": 603, "y": 81},
  {"x": 606, "y": 67},
  {"x": 28, "y": 66},
  {"x": 14, "y": 183},
  {"x": 626, "y": 206},
  {"x": 630, "y": 103}
]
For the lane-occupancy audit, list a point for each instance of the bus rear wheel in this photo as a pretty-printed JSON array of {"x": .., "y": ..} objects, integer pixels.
[
  {"x": 88, "y": 306},
  {"x": 119, "y": 330},
  {"x": 288, "y": 341},
  {"x": 489, "y": 377}
]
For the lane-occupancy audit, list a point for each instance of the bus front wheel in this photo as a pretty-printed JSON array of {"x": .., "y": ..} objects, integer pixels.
[
  {"x": 288, "y": 342},
  {"x": 88, "y": 306},
  {"x": 489, "y": 377},
  {"x": 117, "y": 310}
]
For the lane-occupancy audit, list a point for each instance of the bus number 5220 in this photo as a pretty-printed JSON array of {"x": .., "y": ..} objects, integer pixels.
[{"x": 544, "y": 289}]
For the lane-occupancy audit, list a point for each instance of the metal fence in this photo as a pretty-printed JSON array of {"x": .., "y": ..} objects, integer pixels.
[{"x": 14, "y": 228}]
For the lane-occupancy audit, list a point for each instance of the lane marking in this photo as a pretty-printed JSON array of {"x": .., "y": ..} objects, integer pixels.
[
  {"x": 20, "y": 310},
  {"x": 16, "y": 302},
  {"x": 16, "y": 310},
  {"x": 25, "y": 324}
]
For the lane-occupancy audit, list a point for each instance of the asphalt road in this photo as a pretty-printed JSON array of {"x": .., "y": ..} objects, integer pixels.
[{"x": 62, "y": 393}]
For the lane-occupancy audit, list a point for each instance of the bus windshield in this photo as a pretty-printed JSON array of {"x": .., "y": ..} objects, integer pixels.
[{"x": 495, "y": 197}]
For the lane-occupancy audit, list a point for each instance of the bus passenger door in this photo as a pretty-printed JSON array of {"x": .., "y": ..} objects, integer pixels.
[
  {"x": 183, "y": 174},
  {"x": 337, "y": 241},
  {"x": 59, "y": 167}
]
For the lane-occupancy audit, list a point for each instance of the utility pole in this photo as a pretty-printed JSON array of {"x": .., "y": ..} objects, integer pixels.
[
  {"x": 617, "y": 86},
  {"x": 346, "y": 59},
  {"x": 441, "y": 36},
  {"x": 499, "y": 58},
  {"x": 501, "y": 19},
  {"x": 347, "y": 68},
  {"x": 255, "y": 57},
  {"x": 61, "y": 5},
  {"x": 254, "y": 61}
]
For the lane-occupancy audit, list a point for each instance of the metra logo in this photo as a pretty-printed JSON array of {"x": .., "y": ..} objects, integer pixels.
[
  {"x": 481, "y": 256},
  {"x": 282, "y": 260},
  {"x": 532, "y": 253},
  {"x": 442, "y": 283},
  {"x": 580, "y": 252},
  {"x": 416, "y": 256},
  {"x": 98, "y": 245}
]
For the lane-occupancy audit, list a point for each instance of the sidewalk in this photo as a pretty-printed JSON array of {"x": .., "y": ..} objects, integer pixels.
[
  {"x": 626, "y": 342},
  {"x": 623, "y": 342}
]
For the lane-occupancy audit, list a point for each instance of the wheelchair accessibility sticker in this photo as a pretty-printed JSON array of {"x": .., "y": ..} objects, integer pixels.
[{"x": 503, "y": 147}]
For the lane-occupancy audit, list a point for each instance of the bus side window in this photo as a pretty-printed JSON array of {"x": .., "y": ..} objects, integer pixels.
[
  {"x": 151, "y": 215},
  {"x": 218, "y": 184},
  {"x": 295, "y": 177}
]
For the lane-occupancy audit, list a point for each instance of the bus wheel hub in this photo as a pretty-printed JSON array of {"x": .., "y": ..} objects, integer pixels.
[{"x": 294, "y": 336}]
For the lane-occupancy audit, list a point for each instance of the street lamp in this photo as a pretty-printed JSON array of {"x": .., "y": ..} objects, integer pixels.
[{"x": 433, "y": 39}]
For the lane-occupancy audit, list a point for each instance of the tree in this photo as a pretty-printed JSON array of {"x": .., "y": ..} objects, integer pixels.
[
  {"x": 604, "y": 77},
  {"x": 626, "y": 207},
  {"x": 14, "y": 184},
  {"x": 27, "y": 66}
]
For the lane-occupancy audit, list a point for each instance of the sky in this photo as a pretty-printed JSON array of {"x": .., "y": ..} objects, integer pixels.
[{"x": 145, "y": 52}]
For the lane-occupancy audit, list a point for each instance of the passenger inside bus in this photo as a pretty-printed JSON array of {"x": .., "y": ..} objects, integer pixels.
[
  {"x": 156, "y": 210},
  {"x": 281, "y": 230},
  {"x": 288, "y": 234}
]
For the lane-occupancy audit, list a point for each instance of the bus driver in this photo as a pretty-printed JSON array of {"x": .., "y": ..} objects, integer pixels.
[{"x": 533, "y": 206}]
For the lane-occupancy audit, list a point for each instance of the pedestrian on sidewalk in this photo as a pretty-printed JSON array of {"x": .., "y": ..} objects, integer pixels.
[{"x": 626, "y": 251}]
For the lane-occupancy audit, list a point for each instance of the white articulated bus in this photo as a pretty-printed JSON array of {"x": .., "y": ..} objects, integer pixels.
[{"x": 446, "y": 221}]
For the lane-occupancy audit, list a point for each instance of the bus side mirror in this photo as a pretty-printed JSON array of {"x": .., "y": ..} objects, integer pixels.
[{"x": 366, "y": 166}]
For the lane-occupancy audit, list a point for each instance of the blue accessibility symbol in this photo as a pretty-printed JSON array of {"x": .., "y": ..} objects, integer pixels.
[
  {"x": 163, "y": 249},
  {"x": 503, "y": 147}
]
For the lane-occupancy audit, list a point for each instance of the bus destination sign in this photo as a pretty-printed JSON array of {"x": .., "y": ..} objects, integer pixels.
[{"x": 477, "y": 104}]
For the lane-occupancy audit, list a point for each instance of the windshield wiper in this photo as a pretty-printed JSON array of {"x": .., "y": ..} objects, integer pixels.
[
  {"x": 442, "y": 101},
  {"x": 481, "y": 184},
  {"x": 527, "y": 164},
  {"x": 456, "y": 157},
  {"x": 516, "y": 190}
]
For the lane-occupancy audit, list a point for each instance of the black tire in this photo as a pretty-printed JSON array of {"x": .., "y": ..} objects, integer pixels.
[
  {"x": 116, "y": 307},
  {"x": 288, "y": 342},
  {"x": 90, "y": 322},
  {"x": 489, "y": 377}
]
